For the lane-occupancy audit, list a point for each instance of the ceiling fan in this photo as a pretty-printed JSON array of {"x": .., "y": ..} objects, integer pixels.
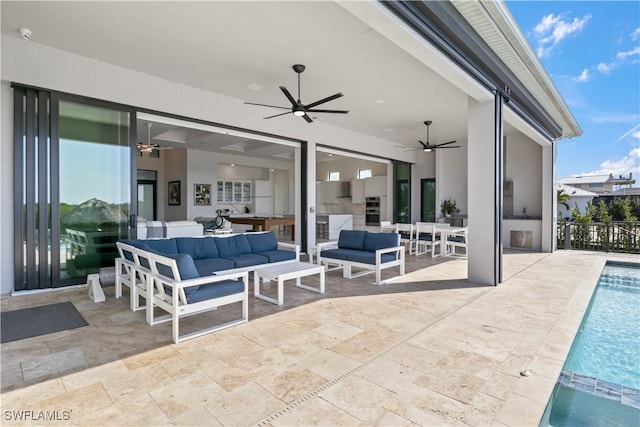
[
  {"x": 297, "y": 107},
  {"x": 148, "y": 147},
  {"x": 427, "y": 146}
]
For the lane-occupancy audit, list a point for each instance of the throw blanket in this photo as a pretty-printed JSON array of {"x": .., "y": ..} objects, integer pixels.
[{"x": 156, "y": 229}]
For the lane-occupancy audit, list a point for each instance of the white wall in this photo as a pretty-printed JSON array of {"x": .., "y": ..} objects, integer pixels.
[
  {"x": 348, "y": 168},
  {"x": 451, "y": 177},
  {"x": 523, "y": 166},
  {"x": 6, "y": 188}
]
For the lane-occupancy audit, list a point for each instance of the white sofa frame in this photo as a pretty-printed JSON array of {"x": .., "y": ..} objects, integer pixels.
[
  {"x": 347, "y": 265},
  {"x": 176, "y": 304}
]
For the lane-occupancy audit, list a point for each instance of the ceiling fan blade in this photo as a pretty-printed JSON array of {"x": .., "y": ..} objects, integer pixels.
[
  {"x": 444, "y": 143},
  {"x": 267, "y": 105},
  {"x": 411, "y": 149},
  {"x": 427, "y": 145},
  {"x": 327, "y": 99},
  {"x": 288, "y": 95},
  {"x": 450, "y": 146},
  {"x": 327, "y": 111},
  {"x": 276, "y": 115},
  {"x": 307, "y": 118}
]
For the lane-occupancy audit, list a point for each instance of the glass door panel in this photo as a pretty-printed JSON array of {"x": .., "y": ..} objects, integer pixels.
[
  {"x": 95, "y": 186},
  {"x": 428, "y": 200}
]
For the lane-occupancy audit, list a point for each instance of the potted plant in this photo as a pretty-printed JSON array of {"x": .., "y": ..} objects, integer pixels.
[{"x": 448, "y": 207}]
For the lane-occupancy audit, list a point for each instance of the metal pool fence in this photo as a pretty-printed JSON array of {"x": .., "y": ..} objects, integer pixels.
[{"x": 614, "y": 236}]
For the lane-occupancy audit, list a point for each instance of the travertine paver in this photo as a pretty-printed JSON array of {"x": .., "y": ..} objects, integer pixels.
[{"x": 427, "y": 349}]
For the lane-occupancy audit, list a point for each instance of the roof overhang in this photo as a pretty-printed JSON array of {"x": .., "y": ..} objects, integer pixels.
[{"x": 482, "y": 38}]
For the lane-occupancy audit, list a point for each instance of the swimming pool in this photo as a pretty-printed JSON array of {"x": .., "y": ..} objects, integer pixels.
[{"x": 600, "y": 380}]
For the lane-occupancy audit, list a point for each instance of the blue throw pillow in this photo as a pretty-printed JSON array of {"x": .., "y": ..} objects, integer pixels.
[
  {"x": 262, "y": 242},
  {"x": 352, "y": 239},
  {"x": 186, "y": 267}
]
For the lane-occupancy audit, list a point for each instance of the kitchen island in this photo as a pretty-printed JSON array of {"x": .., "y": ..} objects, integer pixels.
[
  {"x": 264, "y": 223},
  {"x": 335, "y": 223}
]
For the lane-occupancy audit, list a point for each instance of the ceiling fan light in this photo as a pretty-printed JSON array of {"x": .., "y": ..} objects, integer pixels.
[{"x": 298, "y": 113}]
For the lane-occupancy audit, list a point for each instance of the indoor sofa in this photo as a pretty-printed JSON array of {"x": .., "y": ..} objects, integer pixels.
[
  {"x": 371, "y": 252},
  {"x": 178, "y": 274}
]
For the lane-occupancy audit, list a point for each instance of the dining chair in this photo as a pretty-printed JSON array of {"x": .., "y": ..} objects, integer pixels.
[
  {"x": 455, "y": 240},
  {"x": 407, "y": 236},
  {"x": 427, "y": 238}
]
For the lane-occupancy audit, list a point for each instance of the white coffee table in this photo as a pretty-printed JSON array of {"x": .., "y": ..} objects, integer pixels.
[{"x": 282, "y": 272}]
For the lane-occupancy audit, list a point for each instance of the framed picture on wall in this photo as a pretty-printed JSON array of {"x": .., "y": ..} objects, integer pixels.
[
  {"x": 202, "y": 194},
  {"x": 174, "y": 193}
]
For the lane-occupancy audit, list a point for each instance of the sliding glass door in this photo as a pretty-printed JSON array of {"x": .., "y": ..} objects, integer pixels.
[{"x": 73, "y": 174}]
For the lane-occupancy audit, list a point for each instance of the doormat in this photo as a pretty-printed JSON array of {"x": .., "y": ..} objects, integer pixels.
[{"x": 35, "y": 321}]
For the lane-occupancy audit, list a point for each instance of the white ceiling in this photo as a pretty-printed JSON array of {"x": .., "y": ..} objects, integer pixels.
[{"x": 225, "y": 46}]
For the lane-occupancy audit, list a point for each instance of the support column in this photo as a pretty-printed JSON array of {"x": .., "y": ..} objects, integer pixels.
[
  {"x": 311, "y": 197},
  {"x": 549, "y": 202},
  {"x": 485, "y": 176}
]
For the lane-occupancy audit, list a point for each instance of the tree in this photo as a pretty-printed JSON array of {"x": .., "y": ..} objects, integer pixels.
[{"x": 562, "y": 198}]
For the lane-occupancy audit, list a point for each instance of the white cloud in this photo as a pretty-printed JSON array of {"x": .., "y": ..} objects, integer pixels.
[
  {"x": 615, "y": 118},
  {"x": 624, "y": 55},
  {"x": 636, "y": 34},
  {"x": 552, "y": 29},
  {"x": 604, "y": 68},
  {"x": 629, "y": 163},
  {"x": 634, "y": 132},
  {"x": 583, "y": 77}
]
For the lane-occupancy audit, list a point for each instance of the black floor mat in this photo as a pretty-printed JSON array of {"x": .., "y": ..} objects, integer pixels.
[{"x": 35, "y": 321}]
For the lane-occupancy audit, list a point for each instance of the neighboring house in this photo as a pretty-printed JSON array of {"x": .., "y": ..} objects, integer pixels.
[
  {"x": 578, "y": 198},
  {"x": 599, "y": 184},
  {"x": 77, "y": 93}
]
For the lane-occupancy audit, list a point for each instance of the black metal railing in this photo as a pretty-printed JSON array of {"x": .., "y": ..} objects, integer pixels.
[{"x": 614, "y": 236}]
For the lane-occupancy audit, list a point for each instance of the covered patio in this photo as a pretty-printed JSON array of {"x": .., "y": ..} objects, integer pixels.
[{"x": 430, "y": 349}]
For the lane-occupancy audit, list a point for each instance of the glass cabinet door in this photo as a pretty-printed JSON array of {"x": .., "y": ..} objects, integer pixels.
[
  {"x": 220, "y": 192},
  {"x": 246, "y": 192},
  {"x": 228, "y": 191},
  {"x": 237, "y": 192}
]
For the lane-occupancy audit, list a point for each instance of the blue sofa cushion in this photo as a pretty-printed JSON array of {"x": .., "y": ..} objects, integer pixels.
[
  {"x": 337, "y": 253},
  {"x": 209, "y": 266},
  {"x": 262, "y": 242},
  {"x": 375, "y": 241},
  {"x": 197, "y": 247},
  {"x": 458, "y": 239},
  {"x": 186, "y": 267},
  {"x": 231, "y": 246},
  {"x": 369, "y": 257},
  {"x": 428, "y": 237},
  {"x": 351, "y": 239},
  {"x": 247, "y": 260},
  {"x": 215, "y": 290},
  {"x": 161, "y": 246},
  {"x": 278, "y": 255}
]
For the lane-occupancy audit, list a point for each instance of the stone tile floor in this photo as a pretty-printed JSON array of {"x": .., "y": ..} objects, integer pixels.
[{"x": 426, "y": 349}]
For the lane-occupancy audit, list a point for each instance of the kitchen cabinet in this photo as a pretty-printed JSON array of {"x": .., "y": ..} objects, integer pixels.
[
  {"x": 262, "y": 204},
  {"x": 375, "y": 186},
  {"x": 233, "y": 191},
  {"x": 357, "y": 191}
]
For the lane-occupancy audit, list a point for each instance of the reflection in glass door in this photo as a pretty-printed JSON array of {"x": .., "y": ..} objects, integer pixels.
[
  {"x": 94, "y": 192},
  {"x": 428, "y": 200}
]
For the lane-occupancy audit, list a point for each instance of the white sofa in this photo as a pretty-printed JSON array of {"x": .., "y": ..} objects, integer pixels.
[{"x": 160, "y": 229}]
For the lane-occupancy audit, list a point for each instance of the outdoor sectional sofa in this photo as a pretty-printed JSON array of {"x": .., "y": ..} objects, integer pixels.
[
  {"x": 190, "y": 275},
  {"x": 371, "y": 252}
]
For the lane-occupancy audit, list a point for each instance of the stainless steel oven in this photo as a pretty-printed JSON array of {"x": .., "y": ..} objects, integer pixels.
[{"x": 372, "y": 211}]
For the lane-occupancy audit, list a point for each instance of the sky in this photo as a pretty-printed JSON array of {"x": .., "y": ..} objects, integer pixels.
[{"x": 591, "y": 50}]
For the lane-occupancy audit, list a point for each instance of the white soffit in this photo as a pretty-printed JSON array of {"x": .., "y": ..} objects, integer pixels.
[
  {"x": 392, "y": 28},
  {"x": 495, "y": 24}
]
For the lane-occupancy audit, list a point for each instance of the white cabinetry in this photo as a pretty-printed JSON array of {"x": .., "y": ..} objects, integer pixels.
[
  {"x": 357, "y": 190},
  {"x": 262, "y": 198},
  {"x": 233, "y": 191},
  {"x": 375, "y": 186}
]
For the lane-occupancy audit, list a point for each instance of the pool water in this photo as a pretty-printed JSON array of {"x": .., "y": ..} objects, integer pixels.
[{"x": 600, "y": 382}]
